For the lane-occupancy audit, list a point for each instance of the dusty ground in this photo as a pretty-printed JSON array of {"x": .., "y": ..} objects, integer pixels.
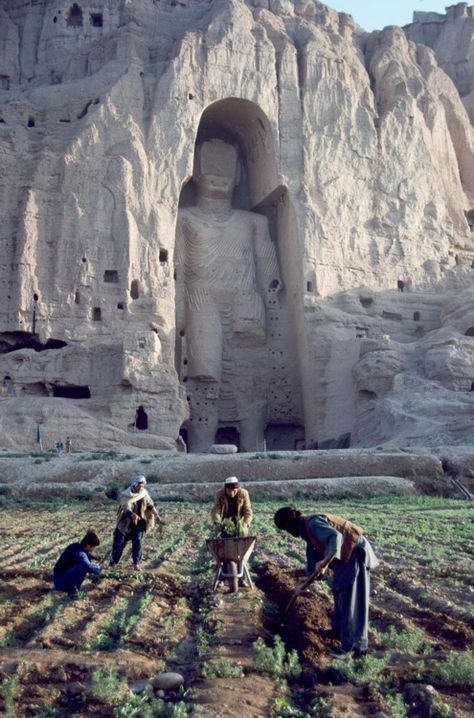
[{"x": 167, "y": 618}]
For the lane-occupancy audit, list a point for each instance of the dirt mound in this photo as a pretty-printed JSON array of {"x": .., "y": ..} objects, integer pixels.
[{"x": 301, "y": 625}]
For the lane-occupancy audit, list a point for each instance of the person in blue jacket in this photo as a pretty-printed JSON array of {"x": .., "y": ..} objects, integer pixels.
[
  {"x": 75, "y": 563},
  {"x": 333, "y": 541}
]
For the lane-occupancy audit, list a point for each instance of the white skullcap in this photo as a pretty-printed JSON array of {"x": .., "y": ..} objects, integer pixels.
[
  {"x": 138, "y": 479},
  {"x": 231, "y": 481}
]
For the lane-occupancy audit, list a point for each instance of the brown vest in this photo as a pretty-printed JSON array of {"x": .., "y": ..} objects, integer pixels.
[{"x": 350, "y": 535}]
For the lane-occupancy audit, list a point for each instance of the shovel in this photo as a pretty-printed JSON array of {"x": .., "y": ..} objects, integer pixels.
[
  {"x": 280, "y": 620},
  {"x": 300, "y": 589}
]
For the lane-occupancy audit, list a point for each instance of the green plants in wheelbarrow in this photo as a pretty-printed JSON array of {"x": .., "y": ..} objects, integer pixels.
[{"x": 230, "y": 528}]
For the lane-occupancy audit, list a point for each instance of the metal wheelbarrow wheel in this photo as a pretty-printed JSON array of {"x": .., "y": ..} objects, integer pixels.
[{"x": 233, "y": 554}]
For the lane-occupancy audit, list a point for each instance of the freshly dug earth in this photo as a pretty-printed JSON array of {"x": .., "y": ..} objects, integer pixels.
[{"x": 301, "y": 625}]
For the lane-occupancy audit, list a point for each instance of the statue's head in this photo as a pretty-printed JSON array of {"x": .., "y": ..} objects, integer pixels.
[{"x": 216, "y": 168}]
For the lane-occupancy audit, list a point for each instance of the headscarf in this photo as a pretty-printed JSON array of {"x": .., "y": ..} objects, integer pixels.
[
  {"x": 138, "y": 479},
  {"x": 130, "y": 493}
]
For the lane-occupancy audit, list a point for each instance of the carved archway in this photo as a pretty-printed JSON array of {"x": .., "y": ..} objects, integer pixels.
[{"x": 243, "y": 125}]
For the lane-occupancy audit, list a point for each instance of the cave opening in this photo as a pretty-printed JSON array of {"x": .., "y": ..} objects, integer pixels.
[
  {"x": 284, "y": 436},
  {"x": 141, "y": 419},
  {"x": 71, "y": 391},
  {"x": 227, "y": 435},
  {"x": 96, "y": 19},
  {"x": 14, "y": 341},
  {"x": 74, "y": 18}
]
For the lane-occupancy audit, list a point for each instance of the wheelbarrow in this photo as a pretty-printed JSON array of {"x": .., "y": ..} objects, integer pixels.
[{"x": 231, "y": 556}]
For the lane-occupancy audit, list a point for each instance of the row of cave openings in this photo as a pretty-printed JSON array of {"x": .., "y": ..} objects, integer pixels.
[
  {"x": 75, "y": 17},
  {"x": 64, "y": 391},
  {"x": 278, "y": 436},
  {"x": 31, "y": 122},
  {"x": 111, "y": 276}
]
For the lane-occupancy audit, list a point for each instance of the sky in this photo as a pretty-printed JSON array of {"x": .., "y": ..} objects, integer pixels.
[{"x": 376, "y": 14}]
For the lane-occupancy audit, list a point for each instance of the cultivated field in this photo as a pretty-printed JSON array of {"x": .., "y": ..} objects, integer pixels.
[{"x": 62, "y": 657}]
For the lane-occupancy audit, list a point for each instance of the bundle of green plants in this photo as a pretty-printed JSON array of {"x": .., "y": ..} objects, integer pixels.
[
  {"x": 229, "y": 528},
  {"x": 275, "y": 661}
]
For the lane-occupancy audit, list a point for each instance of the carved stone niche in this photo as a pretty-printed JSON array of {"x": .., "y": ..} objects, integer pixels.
[{"x": 236, "y": 339}]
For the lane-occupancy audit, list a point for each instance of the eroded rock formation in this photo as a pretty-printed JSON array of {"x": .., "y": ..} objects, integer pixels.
[{"x": 357, "y": 158}]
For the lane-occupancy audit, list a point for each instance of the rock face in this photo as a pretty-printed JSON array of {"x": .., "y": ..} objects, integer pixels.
[{"x": 354, "y": 163}]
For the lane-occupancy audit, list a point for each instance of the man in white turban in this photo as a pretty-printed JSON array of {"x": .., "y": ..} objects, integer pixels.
[{"x": 135, "y": 515}]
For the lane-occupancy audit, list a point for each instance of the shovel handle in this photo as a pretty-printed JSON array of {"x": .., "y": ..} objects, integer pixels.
[{"x": 296, "y": 593}]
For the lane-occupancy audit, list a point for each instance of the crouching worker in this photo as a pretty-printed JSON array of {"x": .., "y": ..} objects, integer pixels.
[
  {"x": 75, "y": 563},
  {"x": 232, "y": 513},
  {"x": 232, "y": 502},
  {"x": 336, "y": 542},
  {"x": 136, "y": 514}
]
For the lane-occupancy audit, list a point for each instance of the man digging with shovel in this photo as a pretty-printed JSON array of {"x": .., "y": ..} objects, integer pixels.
[{"x": 334, "y": 541}]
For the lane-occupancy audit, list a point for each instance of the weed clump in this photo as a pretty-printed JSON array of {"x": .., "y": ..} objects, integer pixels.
[
  {"x": 413, "y": 641},
  {"x": 222, "y": 668},
  {"x": 360, "y": 670},
  {"x": 107, "y": 686},
  {"x": 456, "y": 670},
  {"x": 284, "y": 709},
  {"x": 439, "y": 709},
  {"x": 275, "y": 661},
  {"x": 8, "y": 691},
  {"x": 46, "y": 712},
  {"x": 396, "y": 705}
]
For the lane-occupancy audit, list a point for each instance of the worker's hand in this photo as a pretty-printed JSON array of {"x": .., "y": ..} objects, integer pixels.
[
  {"x": 320, "y": 568},
  {"x": 135, "y": 518}
]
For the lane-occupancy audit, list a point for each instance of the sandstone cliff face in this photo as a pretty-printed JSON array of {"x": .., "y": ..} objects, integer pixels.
[{"x": 357, "y": 148}]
